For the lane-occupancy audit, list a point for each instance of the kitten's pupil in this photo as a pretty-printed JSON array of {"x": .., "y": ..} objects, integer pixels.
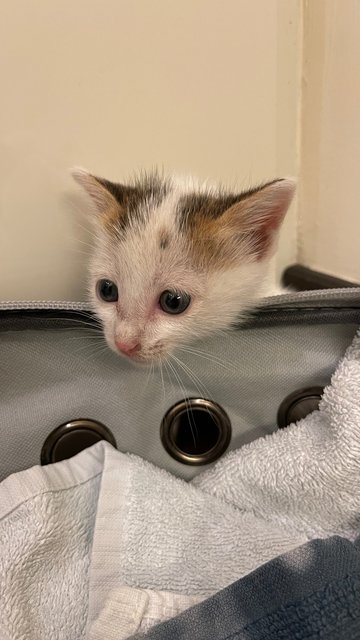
[
  {"x": 174, "y": 301},
  {"x": 107, "y": 290}
]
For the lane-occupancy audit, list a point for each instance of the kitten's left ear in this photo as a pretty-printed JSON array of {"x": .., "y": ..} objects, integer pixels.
[
  {"x": 98, "y": 189},
  {"x": 258, "y": 215}
]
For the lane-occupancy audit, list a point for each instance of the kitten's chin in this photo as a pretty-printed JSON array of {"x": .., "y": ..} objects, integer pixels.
[{"x": 142, "y": 359}]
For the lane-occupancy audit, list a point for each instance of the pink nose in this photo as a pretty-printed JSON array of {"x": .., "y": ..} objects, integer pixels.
[{"x": 129, "y": 348}]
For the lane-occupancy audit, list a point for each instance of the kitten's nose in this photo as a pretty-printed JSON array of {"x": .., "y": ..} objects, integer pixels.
[{"x": 129, "y": 348}]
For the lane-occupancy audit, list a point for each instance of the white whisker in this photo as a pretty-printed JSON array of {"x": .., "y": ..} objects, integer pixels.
[
  {"x": 200, "y": 387},
  {"x": 210, "y": 357},
  {"x": 162, "y": 381},
  {"x": 151, "y": 370},
  {"x": 190, "y": 416}
]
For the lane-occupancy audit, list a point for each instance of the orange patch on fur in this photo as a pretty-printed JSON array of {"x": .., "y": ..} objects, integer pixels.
[
  {"x": 213, "y": 244},
  {"x": 246, "y": 229},
  {"x": 112, "y": 216}
]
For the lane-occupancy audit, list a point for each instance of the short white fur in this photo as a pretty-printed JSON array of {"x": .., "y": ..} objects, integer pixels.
[{"x": 142, "y": 270}]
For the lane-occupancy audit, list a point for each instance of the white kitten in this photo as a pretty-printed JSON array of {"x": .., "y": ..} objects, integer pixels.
[{"x": 175, "y": 260}]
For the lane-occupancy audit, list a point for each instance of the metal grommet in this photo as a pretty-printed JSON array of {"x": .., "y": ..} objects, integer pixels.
[
  {"x": 298, "y": 405},
  {"x": 72, "y": 437},
  {"x": 196, "y": 431}
]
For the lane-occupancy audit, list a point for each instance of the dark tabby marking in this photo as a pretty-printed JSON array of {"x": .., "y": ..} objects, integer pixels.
[
  {"x": 196, "y": 206},
  {"x": 148, "y": 188},
  {"x": 164, "y": 239}
]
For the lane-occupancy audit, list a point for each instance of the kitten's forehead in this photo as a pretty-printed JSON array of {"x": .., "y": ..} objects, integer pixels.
[
  {"x": 164, "y": 229},
  {"x": 173, "y": 224},
  {"x": 148, "y": 229},
  {"x": 149, "y": 255}
]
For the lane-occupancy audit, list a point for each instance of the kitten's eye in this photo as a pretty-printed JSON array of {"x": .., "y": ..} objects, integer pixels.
[
  {"x": 174, "y": 301},
  {"x": 107, "y": 290}
]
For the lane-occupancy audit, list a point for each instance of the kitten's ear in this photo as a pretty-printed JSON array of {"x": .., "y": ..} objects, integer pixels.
[
  {"x": 257, "y": 217},
  {"x": 98, "y": 190}
]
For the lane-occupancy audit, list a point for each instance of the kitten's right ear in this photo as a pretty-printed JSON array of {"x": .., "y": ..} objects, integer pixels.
[{"x": 103, "y": 200}]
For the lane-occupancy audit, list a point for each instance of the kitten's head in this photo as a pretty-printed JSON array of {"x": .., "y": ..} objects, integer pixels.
[{"x": 174, "y": 261}]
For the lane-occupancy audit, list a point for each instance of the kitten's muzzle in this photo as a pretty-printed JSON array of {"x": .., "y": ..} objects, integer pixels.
[
  {"x": 128, "y": 348},
  {"x": 137, "y": 352}
]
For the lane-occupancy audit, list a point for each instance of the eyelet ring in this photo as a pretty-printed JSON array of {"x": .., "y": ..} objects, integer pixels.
[
  {"x": 196, "y": 431},
  {"x": 74, "y": 436}
]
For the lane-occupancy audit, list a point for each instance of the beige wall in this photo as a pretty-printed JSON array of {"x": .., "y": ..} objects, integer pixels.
[
  {"x": 329, "y": 206},
  {"x": 202, "y": 86}
]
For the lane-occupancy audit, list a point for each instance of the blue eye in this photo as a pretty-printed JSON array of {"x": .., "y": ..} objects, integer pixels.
[
  {"x": 174, "y": 302},
  {"x": 107, "y": 290}
]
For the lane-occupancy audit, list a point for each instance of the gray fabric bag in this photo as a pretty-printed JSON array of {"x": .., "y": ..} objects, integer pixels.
[{"x": 56, "y": 369}]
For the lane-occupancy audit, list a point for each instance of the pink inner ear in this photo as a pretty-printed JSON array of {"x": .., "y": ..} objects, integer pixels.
[
  {"x": 261, "y": 237},
  {"x": 260, "y": 241},
  {"x": 259, "y": 216}
]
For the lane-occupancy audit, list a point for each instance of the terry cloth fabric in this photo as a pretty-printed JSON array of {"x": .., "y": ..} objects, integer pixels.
[{"x": 128, "y": 611}]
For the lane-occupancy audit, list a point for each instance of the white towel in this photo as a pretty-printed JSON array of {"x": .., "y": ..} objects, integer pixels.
[
  {"x": 308, "y": 474},
  {"x": 158, "y": 532},
  {"x": 128, "y": 611},
  {"x": 74, "y": 533},
  {"x": 151, "y": 531},
  {"x": 47, "y": 518}
]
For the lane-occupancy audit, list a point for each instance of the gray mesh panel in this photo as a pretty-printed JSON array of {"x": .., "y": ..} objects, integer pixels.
[{"x": 54, "y": 374}]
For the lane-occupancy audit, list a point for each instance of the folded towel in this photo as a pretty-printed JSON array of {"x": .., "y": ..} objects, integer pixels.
[
  {"x": 73, "y": 532},
  {"x": 46, "y": 531},
  {"x": 158, "y": 532},
  {"x": 310, "y": 593},
  {"x": 308, "y": 474}
]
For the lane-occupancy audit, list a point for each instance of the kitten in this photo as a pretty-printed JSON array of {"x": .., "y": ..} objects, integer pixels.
[{"x": 175, "y": 260}]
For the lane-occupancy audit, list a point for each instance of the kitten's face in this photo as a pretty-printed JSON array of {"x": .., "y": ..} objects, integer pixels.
[{"x": 173, "y": 263}]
